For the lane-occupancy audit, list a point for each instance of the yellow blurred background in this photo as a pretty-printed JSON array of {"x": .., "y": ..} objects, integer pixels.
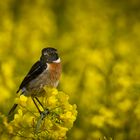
[{"x": 99, "y": 44}]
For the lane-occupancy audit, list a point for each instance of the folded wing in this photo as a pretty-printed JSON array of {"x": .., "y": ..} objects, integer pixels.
[{"x": 36, "y": 70}]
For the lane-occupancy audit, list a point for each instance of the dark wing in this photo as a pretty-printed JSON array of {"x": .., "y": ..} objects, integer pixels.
[{"x": 36, "y": 69}]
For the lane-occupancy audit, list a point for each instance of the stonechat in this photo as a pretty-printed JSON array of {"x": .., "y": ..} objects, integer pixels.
[{"x": 45, "y": 72}]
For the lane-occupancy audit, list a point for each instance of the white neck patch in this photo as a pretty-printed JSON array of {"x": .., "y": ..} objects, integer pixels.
[{"x": 57, "y": 61}]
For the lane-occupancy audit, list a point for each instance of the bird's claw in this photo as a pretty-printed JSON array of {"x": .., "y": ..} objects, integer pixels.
[{"x": 44, "y": 113}]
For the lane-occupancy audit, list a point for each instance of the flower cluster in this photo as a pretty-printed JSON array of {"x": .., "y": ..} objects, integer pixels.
[{"x": 57, "y": 119}]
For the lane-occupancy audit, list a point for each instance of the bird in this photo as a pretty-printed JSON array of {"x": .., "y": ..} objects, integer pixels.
[{"x": 45, "y": 72}]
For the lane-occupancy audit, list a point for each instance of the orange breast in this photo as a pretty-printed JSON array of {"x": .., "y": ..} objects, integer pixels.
[{"x": 55, "y": 71}]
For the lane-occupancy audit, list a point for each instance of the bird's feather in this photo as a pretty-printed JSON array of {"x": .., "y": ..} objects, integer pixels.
[{"x": 35, "y": 70}]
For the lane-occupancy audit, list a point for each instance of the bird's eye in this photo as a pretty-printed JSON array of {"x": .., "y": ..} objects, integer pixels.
[{"x": 52, "y": 53}]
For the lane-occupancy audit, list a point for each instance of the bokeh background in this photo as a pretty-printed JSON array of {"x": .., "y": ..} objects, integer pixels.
[{"x": 99, "y": 44}]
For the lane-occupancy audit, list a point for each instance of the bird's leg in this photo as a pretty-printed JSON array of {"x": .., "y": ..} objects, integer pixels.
[
  {"x": 37, "y": 106},
  {"x": 39, "y": 102},
  {"x": 45, "y": 112}
]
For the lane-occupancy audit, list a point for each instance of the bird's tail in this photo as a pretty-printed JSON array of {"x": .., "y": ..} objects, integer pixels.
[{"x": 12, "y": 109}]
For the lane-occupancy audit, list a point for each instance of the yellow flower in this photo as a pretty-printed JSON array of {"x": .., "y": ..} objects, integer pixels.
[{"x": 52, "y": 125}]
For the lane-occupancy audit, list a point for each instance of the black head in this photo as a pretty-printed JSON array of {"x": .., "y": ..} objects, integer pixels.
[{"x": 49, "y": 55}]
